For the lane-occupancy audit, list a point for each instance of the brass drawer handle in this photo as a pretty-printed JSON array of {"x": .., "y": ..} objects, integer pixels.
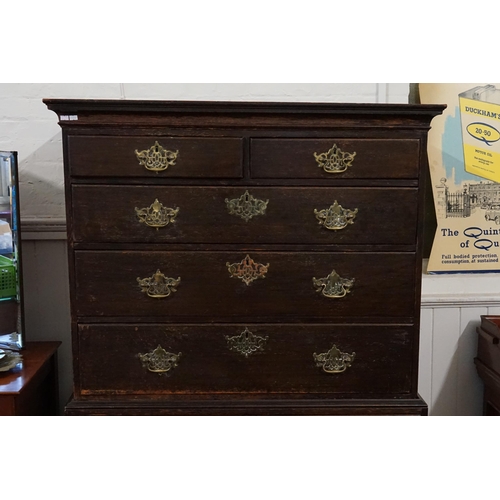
[
  {"x": 158, "y": 286},
  {"x": 247, "y": 270},
  {"x": 159, "y": 361},
  {"x": 156, "y": 158},
  {"x": 333, "y": 286},
  {"x": 334, "y": 161},
  {"x": 335, "y": 217},
  {"x": 334, "y": 361},
  {"x": 156, "y": 215},
  {"x": 246, "y": 343},
  {"x": 246, "y": 206}
]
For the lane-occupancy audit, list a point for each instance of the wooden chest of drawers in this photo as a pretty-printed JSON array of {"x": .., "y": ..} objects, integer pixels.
[
  {"x": 244, "y": 258},
  {"x": 488, "y": 363}
]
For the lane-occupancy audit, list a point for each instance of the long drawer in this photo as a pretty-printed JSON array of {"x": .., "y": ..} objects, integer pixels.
[
  {"x": 159, "y": 214},
  {"x": 245, "y": 286},
  {"x": 336, "y": 158},
  {"x": 155, "y": 157},
  {"x": 141, "y": 360}
]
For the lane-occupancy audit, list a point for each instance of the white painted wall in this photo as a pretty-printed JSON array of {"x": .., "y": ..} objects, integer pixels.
[{"x": 451, "y": 304}]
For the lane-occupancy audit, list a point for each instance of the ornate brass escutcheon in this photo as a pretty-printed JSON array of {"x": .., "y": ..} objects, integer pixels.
[
  {"x": 156, "y": 158},
  {"x": 156, "y": 215},
  {"x": 246, "y": 343},
  {"x": 334, "y": 361},
  {"x": 335, "y": 217},
  {"x": 334, "y": 161},
  {"x": 246, "y": 206},
  {"x": 333, "y": 286},
  {"x": 247, "y": 270},
  {"x": 159, "y": 361},
  {"x": 158, "y": 286}
]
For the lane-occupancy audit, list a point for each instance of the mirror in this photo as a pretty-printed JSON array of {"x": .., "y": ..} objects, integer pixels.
[{"x": 11, "y": 303}]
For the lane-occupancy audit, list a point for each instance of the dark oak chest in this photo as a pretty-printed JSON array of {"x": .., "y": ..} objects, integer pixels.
[{"x": 244, "y": 258}]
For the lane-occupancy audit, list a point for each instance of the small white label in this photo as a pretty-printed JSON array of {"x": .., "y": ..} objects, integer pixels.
[
  {"x": 64, "y": 117},
  {"x": 73, "y": 117}
]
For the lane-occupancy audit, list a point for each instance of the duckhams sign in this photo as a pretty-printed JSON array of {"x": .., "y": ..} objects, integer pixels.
[{"x": 464, "y": 161}]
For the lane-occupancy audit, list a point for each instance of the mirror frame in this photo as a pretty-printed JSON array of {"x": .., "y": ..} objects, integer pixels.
[{"x": 17, "y": 339}]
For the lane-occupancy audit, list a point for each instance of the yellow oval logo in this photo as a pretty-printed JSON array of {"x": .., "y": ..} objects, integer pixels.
[{"x": 483, "y": 132}]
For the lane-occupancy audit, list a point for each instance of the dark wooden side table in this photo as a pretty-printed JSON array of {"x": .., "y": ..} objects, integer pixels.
[
  {"x": 32, "y": 387},
  {"x": 488, "y": 363}
]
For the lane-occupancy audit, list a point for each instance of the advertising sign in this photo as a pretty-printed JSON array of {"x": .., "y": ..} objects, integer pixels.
[{"x": 464, "y": 161}]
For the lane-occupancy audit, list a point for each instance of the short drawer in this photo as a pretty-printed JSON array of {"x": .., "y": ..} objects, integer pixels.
[
  {"x": 245, "y": 285},
  {"x": 335, "y": 158},
  {"x": 141, "y": 360},
  {"x": 156, "y": 214},
  {"x": 155, "y": 157}
]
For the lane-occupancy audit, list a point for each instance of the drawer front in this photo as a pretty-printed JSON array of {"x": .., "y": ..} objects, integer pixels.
[
  {"x": 155, "y": 157},
  {"x": 265, "y": 358},
  {"x": 488, "y": 350},
  {"x": 153, "y": 214},
  {"x": 350, "y": 159},
  {"x": 245, "y": 285}
]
